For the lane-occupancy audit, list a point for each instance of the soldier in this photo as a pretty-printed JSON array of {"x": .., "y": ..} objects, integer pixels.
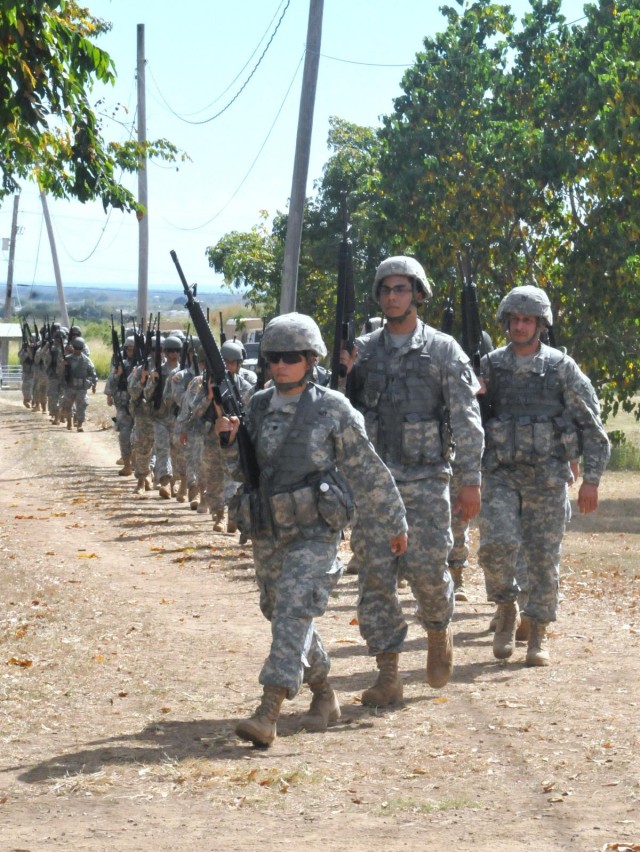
[
  {"x": 313, "y": 455},
  {"x": 190, "y": 431},
  {"x": 234, "y": 353},
  {"x": 26, "y": 356},
  {"x": 39, "y": 378},
  {"x": 53, "y": 360},
  {"x": 406, "y": 374},
  {"x": 161, "y": 416},
  {"x": 544, "y": 413},
  {"x": 142, "y": 433},
  {"x": 79, "y": 376},
  {"x": 117, "y": 392}
]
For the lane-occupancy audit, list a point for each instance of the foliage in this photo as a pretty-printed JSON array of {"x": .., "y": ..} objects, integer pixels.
[
  {"x": 513, "y": 145},
  {"x": 48, "y": 128}
]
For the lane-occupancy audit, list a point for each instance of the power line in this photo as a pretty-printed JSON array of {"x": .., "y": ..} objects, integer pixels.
[
  {"x": 255, "y": 160},
  {"x": 240, "y": 90}
]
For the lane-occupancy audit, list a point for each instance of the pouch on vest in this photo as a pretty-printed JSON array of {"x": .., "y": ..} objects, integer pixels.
[
  {"x": 570, "y": 438},
  {"x": 290, "y": 509},
  {"x": 523, "y": 440},
  {"x": 499, "y": 432},
  {"x": 371, "y": 422},
  {"x": 372, "y": 390},
  {"x": 544, "y": 439},
  {"x": 421, "y": 442},
  {"x": 335, "y": 503}
]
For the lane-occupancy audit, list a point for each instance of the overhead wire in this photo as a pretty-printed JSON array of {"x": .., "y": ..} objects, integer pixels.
[
  {"x": 255, "y": 160},
  {"x": 240, "y": 90}
]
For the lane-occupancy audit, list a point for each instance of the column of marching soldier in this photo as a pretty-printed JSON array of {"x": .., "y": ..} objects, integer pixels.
[{"x": 381, "y": 463}]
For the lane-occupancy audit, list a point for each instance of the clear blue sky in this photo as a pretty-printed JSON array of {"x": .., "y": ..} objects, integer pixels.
[{"x": 199, "y": 54}]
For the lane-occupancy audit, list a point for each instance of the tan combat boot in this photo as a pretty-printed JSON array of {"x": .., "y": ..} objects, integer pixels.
[
  {"x": 218, "y": 518},
  {"x": 165, "y": 487},
  {"x": 324, "y": 708},
  {"x": 388, "y": 687},
  {"x": 127, "y": 470},
  {"x": 193, "y": 496},
  {"x": 524, "y": 629},
  {"x": 69, "y": 424},
  {"x": 181, "y": 493},
  {"x": 504, "y": 639},
  {"x": 439, "y": 657},
  {"x": 26, "y": 403},
  {"x": 140, "y": 485},
  {"x": 459, "y": 591},
  {"x": 260, "y": 729},
  {"x": 537, "y": 651}
]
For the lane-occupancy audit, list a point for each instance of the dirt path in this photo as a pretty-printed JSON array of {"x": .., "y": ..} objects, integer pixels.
[{"x": 131, "y": 641}]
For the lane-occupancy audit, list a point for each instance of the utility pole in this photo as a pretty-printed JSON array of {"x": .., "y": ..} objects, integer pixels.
[
  {"x": 301, "y": 161},
  {"x": 64, "y": 316},
  {"x": 143, "y": 218},
  {"x": 4, "y": 346}
]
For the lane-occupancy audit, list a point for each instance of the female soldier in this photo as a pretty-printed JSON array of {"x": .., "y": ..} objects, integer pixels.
[{"x": 315, "y": 462}]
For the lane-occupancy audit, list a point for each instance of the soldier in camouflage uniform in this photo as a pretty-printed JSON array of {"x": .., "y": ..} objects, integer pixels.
[
  {"x": 190, "y": 431},
  {"x": 39, "y": 379},
  {"x": 544, "y": 413},
  {"x": 405, "y": 375},
  {"x": 79, "y": 376},
  {"x": 117, "y": 391},
  {"x": 142, "y": 434},
  {"x": 234, "y": 353},
  {"x": 212, "y": 469},
  {"x": 26, "y": 356},
  {"x": 53, "y": 360},
  {"x": 161, "y": 416},
  {"x": 314, "y": 459},
  {"x": 174, "y": 392}
]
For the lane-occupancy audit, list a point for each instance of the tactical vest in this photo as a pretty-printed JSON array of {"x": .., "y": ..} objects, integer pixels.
[
  {"x": 303, "y": 496},
  {"x": 403, "y": 412},
  {"x": 528, "y": 423}
]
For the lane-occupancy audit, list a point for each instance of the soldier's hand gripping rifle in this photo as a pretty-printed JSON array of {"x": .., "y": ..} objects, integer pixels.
[
  {"x": 344, "y": 335},
  {"x": 473, "y": 341},
  {"x": 226, "y": 396}
]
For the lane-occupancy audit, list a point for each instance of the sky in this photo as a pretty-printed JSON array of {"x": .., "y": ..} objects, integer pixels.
[{"x": 205, "y": 57}]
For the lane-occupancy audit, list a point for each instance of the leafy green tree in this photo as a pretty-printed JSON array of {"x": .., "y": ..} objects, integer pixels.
[{"x": 48, "y": 128}]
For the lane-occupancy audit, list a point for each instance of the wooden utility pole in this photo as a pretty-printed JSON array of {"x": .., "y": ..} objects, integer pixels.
[
  {"x": 6, "y": 314},
  {"x": 64, "y": 316},
  {"x": 143, "y": 218},
  {"x": 301, "y": 162}
]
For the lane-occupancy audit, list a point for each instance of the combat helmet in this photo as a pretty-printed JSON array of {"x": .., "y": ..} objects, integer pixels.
[
  {"x": 293, "y": 332},
  {"x": 75, "y": 331},
  {"x": 233, "y": 350},
  {"x": 172, "y": 344},
  {"x": 77, "y": 343},
  {"x": 528, "y": 300},
  {"x": 401, "y": 265}
]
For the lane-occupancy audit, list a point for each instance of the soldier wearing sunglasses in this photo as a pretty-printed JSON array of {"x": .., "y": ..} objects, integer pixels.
[{"x": 315, "y": 462}]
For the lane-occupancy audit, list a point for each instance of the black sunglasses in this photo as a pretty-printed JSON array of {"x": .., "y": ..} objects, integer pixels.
[{"x": 287, "y": 357}]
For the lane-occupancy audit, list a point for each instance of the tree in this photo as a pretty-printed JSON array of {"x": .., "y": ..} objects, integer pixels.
[
  {"x": 48, "y": 128},
  {"x": 521, "y": 144}
]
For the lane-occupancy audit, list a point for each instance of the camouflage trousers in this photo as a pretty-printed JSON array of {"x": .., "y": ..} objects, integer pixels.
[
  {"x": 142, "y": 444},
  {"x": 459, "y": 552},
  {"x": 295, "y": 581},
  {"x": 212, "y": 470},
  {"x": 40, "y": 389},
  {"x": 162, "y": 428},
  {"x": 522, "y": 523},
  {"x": 124, "y": 427},
  {"x": 76, "y": 400},
  {"x": 424, "y": 566},
  {"x": 27, "y": 387},
  {"x": 178, "y": 453},
  {"x": 193, "y": 453},
  {"x": 54, "y": 394}
]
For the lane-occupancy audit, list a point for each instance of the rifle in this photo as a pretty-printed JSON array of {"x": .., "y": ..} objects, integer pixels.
[
  {"x": 449, "y": 311},
  {"x": 159, "y": 388},
  {"x": 223, "y": 336},
  {"x": 118, "y": 360},
  {"x": 226, "y": 396},
  {"x": 123, "y": 335},
  {"x": 344, "y": 335},
  {"x": 473, "y": 341}
]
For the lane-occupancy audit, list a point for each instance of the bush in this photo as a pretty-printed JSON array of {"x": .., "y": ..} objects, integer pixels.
[{"x": 624, "y": 456}]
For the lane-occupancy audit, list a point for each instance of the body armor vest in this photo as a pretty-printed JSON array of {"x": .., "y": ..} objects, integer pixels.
[{"x": 403, "y": 407}]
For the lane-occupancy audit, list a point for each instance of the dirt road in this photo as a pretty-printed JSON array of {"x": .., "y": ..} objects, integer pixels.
[{"x": 131, "y": 641}]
